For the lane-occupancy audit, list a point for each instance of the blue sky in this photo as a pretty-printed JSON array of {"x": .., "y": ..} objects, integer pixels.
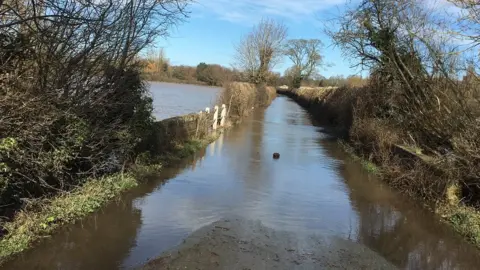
[{"x": 215, "y": 26}]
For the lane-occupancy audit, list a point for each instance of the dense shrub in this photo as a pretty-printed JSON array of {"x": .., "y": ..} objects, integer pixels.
[
  {"x": 72, "y": 102},
  {"x": 241, "y": 98}
]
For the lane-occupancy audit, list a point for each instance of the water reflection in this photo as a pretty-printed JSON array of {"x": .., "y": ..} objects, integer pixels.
[
  {"x": 105, "y": 239},
  {"x": 313, "y": 188},
  {"x": 80, "y": 246},
  {"x": 398, "y": 229}
]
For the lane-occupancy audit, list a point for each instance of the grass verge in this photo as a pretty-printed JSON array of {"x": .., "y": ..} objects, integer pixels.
[
  {"x": 464, "y": 220},
  {"x": 43, "y": 217},
  {"x": 366, "y": 164}
]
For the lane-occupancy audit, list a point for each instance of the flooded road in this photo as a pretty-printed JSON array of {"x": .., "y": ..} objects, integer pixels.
[
  {"x": 172, "y": 99},
  {"x": 314, "y": 188}
]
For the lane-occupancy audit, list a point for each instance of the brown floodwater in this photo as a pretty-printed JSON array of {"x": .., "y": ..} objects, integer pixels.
[
  {"x": 314, "y": 188},
  {"x": 172, "y": 99}
]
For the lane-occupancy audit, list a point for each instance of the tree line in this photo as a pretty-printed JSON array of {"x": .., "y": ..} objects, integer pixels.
[
  {"x": 157, "y": 67},
  {"x": 267, "y": 44},
  {"x": 257, "y": 54}
]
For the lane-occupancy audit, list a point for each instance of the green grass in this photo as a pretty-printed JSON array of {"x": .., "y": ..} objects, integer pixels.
[
  {"x": 370, "y": 166},
  {"x": 43, "y": 218},
  {"x": 366, "y": 164},
  {"x": 30, "y": 225},
  {"x": 464, "y": 220}
]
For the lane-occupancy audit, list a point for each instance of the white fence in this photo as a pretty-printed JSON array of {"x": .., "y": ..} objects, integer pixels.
[{"x": 219, "y": 117}]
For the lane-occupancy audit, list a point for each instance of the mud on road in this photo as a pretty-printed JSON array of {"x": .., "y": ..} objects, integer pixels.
[{"x": 236, "y": 243}]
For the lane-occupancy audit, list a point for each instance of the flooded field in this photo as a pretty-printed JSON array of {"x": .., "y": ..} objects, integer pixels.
[{"x": 171, "y": 99}]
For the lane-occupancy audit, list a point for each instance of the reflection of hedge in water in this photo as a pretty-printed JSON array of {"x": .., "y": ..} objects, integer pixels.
[
  {"x": 331, "y": 106},
  {"x": 116, "y": 226}
]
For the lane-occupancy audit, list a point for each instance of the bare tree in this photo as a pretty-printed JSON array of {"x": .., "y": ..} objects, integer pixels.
[
  {"x": 259, "y": 51},
  {"x": 395, "y": 40},
  {"x": 415, "y": 82},
  {"x": 306, "y": 58},
  {"x": 469, "y": 21}
]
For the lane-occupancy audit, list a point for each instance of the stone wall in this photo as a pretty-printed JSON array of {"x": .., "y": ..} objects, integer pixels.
[{"x": 173, "y": 131}]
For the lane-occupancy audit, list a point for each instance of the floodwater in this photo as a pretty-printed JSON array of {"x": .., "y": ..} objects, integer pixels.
[
  {"x": 314, "y": 188},
  {"x": 171, "y": 99}
]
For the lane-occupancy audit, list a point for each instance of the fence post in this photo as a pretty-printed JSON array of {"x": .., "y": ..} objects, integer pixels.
[
  {"x": 199, "y": 122},
  {"x": 215, "y": 117},
  {"x": 223, "y": 115}
]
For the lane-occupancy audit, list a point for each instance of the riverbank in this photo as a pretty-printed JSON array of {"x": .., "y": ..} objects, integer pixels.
[
  {"x": 169, "y": 141},
  {"x": 431, "y": 180},
  {"x": 174, "y": 80}
]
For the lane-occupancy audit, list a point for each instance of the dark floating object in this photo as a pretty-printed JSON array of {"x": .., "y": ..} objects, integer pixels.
[{"x": 276, "y": 155}]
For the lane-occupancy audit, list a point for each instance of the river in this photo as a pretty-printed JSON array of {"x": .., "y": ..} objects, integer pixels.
[
  {"x": 314, "y": 188},
  {"x": 171, "y": 99}
]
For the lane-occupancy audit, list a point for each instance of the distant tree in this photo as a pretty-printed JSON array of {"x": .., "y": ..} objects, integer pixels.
[
  {"x": 157, "y": 62},
  {"x": 259, "y": 51},
  {"x": 306, "y": 58},
  {"x": 200, "y": 71},
  {"x": 355, "y": 81},
  {"x": 215, "y": 75},
  {"x": 186, "y": 73}
]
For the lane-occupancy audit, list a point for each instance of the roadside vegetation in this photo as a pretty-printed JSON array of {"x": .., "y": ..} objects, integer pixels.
[
  {"x": 241, "y": 98},
  {"x": 74, "y": 109},
  {"x": 42, "y": 217},
  {"x": 417, "y": 115},
  {"x": 72, "y": 103}
]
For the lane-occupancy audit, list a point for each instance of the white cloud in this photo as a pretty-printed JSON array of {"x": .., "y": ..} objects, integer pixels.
[{"x": 250, "y": 11}]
